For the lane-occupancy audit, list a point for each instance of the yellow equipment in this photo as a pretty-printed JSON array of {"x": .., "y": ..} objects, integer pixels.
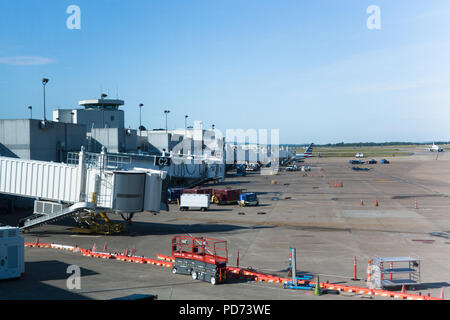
[
  {"x": 92, "y": 224},
  {"x": 214, "y": 199}
]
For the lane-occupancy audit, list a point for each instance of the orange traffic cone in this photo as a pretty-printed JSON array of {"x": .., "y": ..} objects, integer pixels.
[
  {"x": 403, "y": 288},
  {"x": 415, "y": 203},
  {"x": 442, "y": 293},
  {"x": 376, "y": 203}
]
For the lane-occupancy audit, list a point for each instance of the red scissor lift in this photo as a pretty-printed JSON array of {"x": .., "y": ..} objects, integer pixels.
[{"x": 203, "y": 258}]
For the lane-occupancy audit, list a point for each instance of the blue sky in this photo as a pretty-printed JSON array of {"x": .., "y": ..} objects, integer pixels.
[{"x": 311, "y": 69}]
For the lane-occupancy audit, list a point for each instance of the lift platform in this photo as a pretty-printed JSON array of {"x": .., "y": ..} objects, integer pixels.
[{"x": 203, "y": 258}]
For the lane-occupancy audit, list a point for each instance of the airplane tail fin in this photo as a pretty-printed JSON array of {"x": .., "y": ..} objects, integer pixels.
[{"x": 309, "y": 150}]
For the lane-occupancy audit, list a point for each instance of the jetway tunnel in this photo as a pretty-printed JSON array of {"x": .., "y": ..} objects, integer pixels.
[{"x": 62, "y": 190}]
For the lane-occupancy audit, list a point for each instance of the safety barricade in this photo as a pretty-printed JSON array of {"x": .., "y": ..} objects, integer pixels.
[
  {"x": 126, "y": 258},
  {"x": 165, "y": 258},
  {"x": 101, "y": 255},
  {"x": 158, "y": 262},
  {"x": 37, "y": 245},
  {"x": 365, "y": 291},
  {"x": 62, "y": 247},
  {"x": 164, "y": 261}
]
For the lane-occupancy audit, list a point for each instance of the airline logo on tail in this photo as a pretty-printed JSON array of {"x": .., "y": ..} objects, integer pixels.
[
  {"x": 306, "y": 154},
  {"x": 308, "y": 151}
]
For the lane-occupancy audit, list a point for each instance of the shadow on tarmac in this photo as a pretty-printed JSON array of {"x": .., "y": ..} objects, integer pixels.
[
  {"x": 147, "y": 228},
  {"x": 138, "y": 228},
  {"x": 31, "y": 286}
]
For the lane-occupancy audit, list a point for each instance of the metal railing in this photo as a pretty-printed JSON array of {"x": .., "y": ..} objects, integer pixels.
[{"x": 93, "y": 160}]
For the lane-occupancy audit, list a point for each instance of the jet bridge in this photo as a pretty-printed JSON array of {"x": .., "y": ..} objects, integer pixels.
[{"x": 85, "y": 186}]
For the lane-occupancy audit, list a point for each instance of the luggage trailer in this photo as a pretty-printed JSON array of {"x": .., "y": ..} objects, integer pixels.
[{"x": 203, "y": 258}]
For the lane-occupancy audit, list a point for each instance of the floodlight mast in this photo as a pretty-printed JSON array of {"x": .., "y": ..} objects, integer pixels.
[{"x": 44, "y": 82}]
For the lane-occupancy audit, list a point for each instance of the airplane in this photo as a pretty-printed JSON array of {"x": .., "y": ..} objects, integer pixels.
[
  {"x": 307, "y": 154},
  {"x": 434, "y": 148}
]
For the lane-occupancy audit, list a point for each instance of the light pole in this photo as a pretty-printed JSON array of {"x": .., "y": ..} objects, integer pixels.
[
  {"x": 31, "y": 111},
  {"x": 140, "y": 122},
  {"x": 44, "y": 82},
  {"x": 104, "y": 95},
  {"x": 166, "y": 112}
]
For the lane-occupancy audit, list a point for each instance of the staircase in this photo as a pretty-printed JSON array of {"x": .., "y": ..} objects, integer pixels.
[{"x": 39, "y": 220}]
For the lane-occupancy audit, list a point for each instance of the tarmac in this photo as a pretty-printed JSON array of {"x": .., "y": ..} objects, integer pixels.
[{"x": 327, "y": 225}]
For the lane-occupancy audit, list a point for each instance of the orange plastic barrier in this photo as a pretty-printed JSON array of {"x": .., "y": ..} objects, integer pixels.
[
  {"x": 158, "y": 262},
  {"x": 237, "y": 272},
  {"x": 384, "y": 293},
  {"x": 165, "y": 258}
]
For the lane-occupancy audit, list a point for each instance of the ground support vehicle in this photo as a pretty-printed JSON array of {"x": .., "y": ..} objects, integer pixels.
[
  {"x": 248, "y": 199},
  {"x": 253, "y": 167},
  {"x": 229, "y": 196},
  {"x": 212, "y": 273},
  {"x": 241, "y": 170},
  {"x": 203, "y": 258},
  {"x": 188, "y": 201}
]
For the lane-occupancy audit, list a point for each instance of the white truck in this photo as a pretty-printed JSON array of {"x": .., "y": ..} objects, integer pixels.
[
  {"x": 12, "y": 261},
  {"x": 191, "y": 200}
]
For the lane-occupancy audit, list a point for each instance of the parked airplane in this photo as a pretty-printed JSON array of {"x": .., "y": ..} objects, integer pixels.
[
  {"x": 307, "y": 154},
  {"x": 434, "y": 148}
]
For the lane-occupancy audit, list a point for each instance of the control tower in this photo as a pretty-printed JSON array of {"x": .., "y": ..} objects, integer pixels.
[{"x": 97, "y": 113}]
